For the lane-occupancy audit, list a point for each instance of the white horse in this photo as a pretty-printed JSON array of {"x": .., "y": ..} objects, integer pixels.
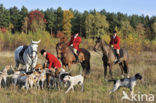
[{"x": 27, "y": 55}]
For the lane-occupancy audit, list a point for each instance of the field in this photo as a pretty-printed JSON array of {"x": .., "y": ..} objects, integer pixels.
[{"x": 96, "y": 89}]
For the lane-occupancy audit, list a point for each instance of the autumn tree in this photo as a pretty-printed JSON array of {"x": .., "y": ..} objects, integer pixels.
[
  {"x": 154, "y": 30},
  {"x": 36, "y": 21},
  {"x": 126, "y": 28},
  {"x": 96, "y": 25},
  {"x": 67, "y": 16},
  {"x": 25, "y": 25},
  {"x": 140, "y": 30}
]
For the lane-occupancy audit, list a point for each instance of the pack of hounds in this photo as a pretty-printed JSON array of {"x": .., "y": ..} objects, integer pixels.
[{"x": 39, "y": 77}]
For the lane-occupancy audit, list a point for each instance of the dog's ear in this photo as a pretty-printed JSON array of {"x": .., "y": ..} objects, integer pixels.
[{"x": 138, "y": 76}]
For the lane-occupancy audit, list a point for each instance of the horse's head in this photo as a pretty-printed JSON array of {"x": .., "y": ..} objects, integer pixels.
[
  {"x": 98, "y": 43},
  {"x": 59, "y": 49},
  {"x": 33, "y": 48}
]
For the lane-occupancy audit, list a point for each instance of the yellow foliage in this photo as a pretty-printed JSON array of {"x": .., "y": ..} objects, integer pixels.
[
  {"x": 134, "y": 44},
  {"x": 106, "y": 38}
]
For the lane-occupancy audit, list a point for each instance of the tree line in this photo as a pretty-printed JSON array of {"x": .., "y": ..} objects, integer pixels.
[{"x": 88, "y": 23}]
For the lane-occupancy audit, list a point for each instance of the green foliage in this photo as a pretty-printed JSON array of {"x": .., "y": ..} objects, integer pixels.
[
  {"x": 4, "y": 17},
  {"x": 96, "y": 25}
]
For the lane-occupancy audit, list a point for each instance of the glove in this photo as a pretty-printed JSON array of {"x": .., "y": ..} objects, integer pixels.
[
  {"x": 112, "y": 46},
  {"x": 71, "y": 45}
]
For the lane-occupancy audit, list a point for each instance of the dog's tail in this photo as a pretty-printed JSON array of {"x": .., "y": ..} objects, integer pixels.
[{"x": 114, "y": 81}]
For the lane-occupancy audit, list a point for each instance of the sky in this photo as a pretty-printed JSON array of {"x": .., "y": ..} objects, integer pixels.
[{"x": 139, "y": 7}]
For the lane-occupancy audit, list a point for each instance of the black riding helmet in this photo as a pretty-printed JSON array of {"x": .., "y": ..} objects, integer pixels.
[
  {"x": 114, "y": 31},
  {"x": 42, "y": 51}
]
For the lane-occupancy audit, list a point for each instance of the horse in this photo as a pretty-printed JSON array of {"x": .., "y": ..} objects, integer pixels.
[
  {"x": 27, "y": 55},
  {"x": 66, "y": 55},
  {"x": 109, "y": 57}
]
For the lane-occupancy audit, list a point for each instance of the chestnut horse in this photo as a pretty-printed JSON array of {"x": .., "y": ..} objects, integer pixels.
[
  {"x": 65, "y": 53},
  {"x": 109, "y": 57}
]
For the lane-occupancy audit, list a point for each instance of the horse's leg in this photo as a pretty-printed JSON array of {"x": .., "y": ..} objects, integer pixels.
[
  {"x": 17, "y": 65},
  {"x": 69, "y": 66},
  {"x": 126, "y": 69},
  {"x": 121, "y": 67},
  {"x": 105, "y": 69},
  {"x": 110, "y": 70}
]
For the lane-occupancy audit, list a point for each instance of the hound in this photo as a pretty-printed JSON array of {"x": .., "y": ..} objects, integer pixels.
[
  {"x": 4, "y": 74},
  {"x": 42, "y": 78},
  {"x": 126, "y": 82},
  {"x": 17, "y": 75},
  {"x": 74, "y": 80}
]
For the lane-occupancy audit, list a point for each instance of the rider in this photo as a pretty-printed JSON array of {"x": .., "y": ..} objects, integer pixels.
[
  {"x": 75, "y": 42},
  {"x": 115, "y": 43},
  {"x": 53, "y": 62}
]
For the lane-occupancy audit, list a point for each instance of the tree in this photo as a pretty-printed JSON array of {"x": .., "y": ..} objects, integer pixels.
[
  {"x": 15, "y": 17},
  {"x": 96, "y": 25},
  {"x": 4, "y": 17},
  {"x": 154, "y": 30},
  {"x": 24, "y": 14},
  {"x": 77, "y": 22},
  {"x": 36, "y": 21},
  {"x": 89, "y": 22},
  {"x": 126, "y": 28},
  {"x": 25, "y": 25},
  {"x": 50, "y": 17},
  {"x": 59, "y": 19},
  {"x": 67, "y": 16},
  {"x": 101, "y": 24},
  {"x": 140, "y": 30}
]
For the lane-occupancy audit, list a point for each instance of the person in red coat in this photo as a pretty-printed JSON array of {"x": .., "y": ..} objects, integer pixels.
[
  {"x": 115, "y": 44},
  {"x": 53, "y": 62},
  {"x": 75, "y": 42}
]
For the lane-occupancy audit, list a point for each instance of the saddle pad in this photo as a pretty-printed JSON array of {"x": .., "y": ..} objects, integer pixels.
[
  {"x": 22, "y": 51},
  {"x": 120, "y": 51}
]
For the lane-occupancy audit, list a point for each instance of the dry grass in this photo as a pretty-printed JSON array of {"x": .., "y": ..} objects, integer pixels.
[{"x": 96, "y": 89}]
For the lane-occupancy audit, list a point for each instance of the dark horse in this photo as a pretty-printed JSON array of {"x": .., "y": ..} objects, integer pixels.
[
  {"x": 65, "y": 53},
  {"x": 109, "y": 57}
]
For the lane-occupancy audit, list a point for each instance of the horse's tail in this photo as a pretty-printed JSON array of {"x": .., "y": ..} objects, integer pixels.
[{"x": 86, "y": 65}]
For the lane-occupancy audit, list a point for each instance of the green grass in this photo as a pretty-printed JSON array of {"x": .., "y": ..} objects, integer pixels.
[{"x": 96, "y": 89}]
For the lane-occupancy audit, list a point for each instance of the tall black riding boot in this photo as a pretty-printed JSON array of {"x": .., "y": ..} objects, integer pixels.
[
  {"x": 77, "y": 58},
  {"x": 118, "y": 58}
]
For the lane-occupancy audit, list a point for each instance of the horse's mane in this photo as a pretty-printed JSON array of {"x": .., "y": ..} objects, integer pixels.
[{"x": 103, "y": 41}]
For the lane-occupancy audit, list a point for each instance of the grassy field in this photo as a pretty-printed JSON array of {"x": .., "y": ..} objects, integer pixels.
[{"x": 96, "y": 89}]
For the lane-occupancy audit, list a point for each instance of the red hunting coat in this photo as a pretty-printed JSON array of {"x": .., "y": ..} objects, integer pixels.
[
  {"x": 75, "y": 41},
  {"x": 53, "y": 61},
  {"x": 115, "y": 42}
]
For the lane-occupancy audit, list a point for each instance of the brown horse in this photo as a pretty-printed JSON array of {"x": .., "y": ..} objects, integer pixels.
[
  {"x": 65, "y": 53},
  {"x": 109, "y": 57}
]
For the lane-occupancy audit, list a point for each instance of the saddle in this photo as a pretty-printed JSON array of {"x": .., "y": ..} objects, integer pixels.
[
  {"x": 22, "y": 51},
  {"x": 120, "y": 51}
]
